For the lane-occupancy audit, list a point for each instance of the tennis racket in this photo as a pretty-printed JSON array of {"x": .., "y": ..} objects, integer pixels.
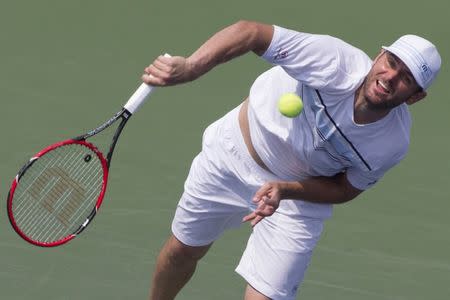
[{"x": 57, "y": 193}]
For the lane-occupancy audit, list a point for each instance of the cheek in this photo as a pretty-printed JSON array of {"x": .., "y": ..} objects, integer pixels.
[
  {"x": 403, "y": 91},
  {"x": 370, "y": 82},
  {"x": 401, "y": 96}
]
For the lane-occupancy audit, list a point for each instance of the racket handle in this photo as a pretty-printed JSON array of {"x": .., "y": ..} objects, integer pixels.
[{"x": 139, "y": 96}]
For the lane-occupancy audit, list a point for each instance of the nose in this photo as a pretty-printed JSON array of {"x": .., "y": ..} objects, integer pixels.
[
  {"x": 392, "y": 73},
  {"x": 392, "y": 76}
]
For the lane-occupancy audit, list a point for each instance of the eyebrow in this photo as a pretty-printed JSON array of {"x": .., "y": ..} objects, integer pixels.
[{"x": 398, "y": 60}]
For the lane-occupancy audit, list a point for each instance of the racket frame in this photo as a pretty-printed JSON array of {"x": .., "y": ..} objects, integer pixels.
[
  {"x": 22, "y": 171},
  {"x": 131, "y": 106}
]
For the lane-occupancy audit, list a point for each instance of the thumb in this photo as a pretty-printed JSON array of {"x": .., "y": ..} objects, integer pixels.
[{"x": 262, "y": 192}]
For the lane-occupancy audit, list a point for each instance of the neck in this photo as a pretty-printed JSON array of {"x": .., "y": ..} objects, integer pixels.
[{"x": 363, "y": 112}]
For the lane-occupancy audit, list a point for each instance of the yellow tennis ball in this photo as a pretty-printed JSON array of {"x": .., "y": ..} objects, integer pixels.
[{"x": 290, "y": 105}]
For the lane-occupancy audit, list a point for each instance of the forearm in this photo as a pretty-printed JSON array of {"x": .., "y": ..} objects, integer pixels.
[
  {"x": 231, "y": 42},
  {"x": 331, "y": 190},
  {"x": 320, "y": 190},
  {"x": 335, "y": 189}
]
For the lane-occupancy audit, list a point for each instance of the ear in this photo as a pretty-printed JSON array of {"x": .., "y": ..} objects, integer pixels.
[
  {"x": 379, "y": 55},
  {"x": 416, "y": 97}
]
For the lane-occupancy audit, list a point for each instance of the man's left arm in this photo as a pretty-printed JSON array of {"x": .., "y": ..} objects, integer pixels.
[{"x": 331, "y": 190}]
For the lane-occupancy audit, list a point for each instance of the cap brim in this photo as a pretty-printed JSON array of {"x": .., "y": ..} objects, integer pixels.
[{"x": 406, "y": 60}]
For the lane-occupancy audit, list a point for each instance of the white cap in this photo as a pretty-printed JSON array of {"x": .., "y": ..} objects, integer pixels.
[{"x": 420, "y": 56}]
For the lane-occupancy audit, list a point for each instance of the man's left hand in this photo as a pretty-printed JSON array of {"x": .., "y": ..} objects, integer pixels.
[{"x": 268, "y": 198}]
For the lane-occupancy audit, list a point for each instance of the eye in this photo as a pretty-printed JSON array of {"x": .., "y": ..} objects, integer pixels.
[
  {"x": 392, "y": 62},
  {"x": 408, "y": 80}
]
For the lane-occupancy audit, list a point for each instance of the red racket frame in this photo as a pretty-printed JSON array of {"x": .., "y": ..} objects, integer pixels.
[{"x": 41, "y": 153}]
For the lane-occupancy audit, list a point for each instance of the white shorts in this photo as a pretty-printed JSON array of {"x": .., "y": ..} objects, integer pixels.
[{"x": 218, "y": 191}]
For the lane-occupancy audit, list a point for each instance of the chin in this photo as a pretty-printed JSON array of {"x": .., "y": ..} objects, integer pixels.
[
  {"x": 381, "y": 104},
  {"x": 372, "y": 97},
  {"x": 375, "y": 101}
]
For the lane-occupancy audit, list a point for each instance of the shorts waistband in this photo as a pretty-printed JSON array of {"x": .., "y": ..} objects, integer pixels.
[{"x": 233, "y": 133}]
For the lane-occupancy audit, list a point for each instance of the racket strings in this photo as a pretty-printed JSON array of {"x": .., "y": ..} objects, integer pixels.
[
  {"x": 32, "y": 212},
  {"x": 53, "y": 200},
  {"x": 58, "y": 192}
]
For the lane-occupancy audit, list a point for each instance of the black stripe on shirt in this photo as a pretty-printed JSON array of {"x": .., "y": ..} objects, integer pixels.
[{"x": 342, "y": 134}]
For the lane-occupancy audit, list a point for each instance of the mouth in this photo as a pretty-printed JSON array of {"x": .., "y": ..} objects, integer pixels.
[{"x": 383, "y": 87}]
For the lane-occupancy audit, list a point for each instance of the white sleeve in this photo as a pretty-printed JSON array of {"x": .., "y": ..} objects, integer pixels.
[
  {"x": 363, "y": 180},
  {"x": 309, "y": 58},
  {"x": 319, "y": 61}
]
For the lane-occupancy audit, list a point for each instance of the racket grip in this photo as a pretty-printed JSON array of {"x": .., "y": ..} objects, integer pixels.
[{"x": 139, "y": 96}]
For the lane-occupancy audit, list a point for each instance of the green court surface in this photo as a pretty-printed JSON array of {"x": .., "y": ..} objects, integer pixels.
[{"x": 66, "y": 66}]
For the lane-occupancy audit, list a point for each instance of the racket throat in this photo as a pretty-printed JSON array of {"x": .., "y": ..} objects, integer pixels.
[
  {"x": 115, "y": 139},
  {"x": 123, "y": 114}
]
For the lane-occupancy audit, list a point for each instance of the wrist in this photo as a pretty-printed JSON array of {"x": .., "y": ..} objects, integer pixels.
[
  {"x": 189, "y": 67},
  {"x": 196, "y": 66},
  {"x": 290, "y": 190}
]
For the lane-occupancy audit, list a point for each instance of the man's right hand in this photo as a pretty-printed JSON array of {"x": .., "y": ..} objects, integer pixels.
[{"x": 165, "y": 71}]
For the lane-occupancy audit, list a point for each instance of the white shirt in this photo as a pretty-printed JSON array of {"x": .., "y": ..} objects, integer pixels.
[{"x": 324, "y": 139}]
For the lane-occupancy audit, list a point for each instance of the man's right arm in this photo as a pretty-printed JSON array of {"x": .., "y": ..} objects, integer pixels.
[{"x": 230, "y": 42}]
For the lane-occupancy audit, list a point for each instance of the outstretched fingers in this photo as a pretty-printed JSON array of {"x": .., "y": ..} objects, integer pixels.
[
  {"x": 264, "y": 209},
  {"x": 263, "y": 191},
  {"x": 268, "y": 199},
  {"x": 253, "y": 217}
]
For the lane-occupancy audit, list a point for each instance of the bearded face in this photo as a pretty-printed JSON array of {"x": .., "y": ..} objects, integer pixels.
[{"x": 390, "y": 83}]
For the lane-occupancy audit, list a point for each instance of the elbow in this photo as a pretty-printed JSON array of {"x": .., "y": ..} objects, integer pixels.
[
  {"x": 348, "y": 195},
  {"x": 248, "y": 28},
  {"x": 257, "y": 36},
  {"x": 344, "y": 199},
  {"x": 345, "y": 191},
  {"x": 246, "y": 25}
]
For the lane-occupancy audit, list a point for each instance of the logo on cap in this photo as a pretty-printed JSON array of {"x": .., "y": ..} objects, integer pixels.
[
  {"x": 426, "y": 71},
  {"x": 420, "y": 56}
]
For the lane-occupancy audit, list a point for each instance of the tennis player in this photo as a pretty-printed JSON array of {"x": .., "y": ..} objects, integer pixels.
[{"x": 284, "y": 174}]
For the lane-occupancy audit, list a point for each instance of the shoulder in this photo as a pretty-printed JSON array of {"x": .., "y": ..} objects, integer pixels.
[
  {"x": 317, "y": 60},
  {"x": 320, "y": 42},
  {"x": 285, "y": 42},
  {"x": 352, "y": 66}
]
